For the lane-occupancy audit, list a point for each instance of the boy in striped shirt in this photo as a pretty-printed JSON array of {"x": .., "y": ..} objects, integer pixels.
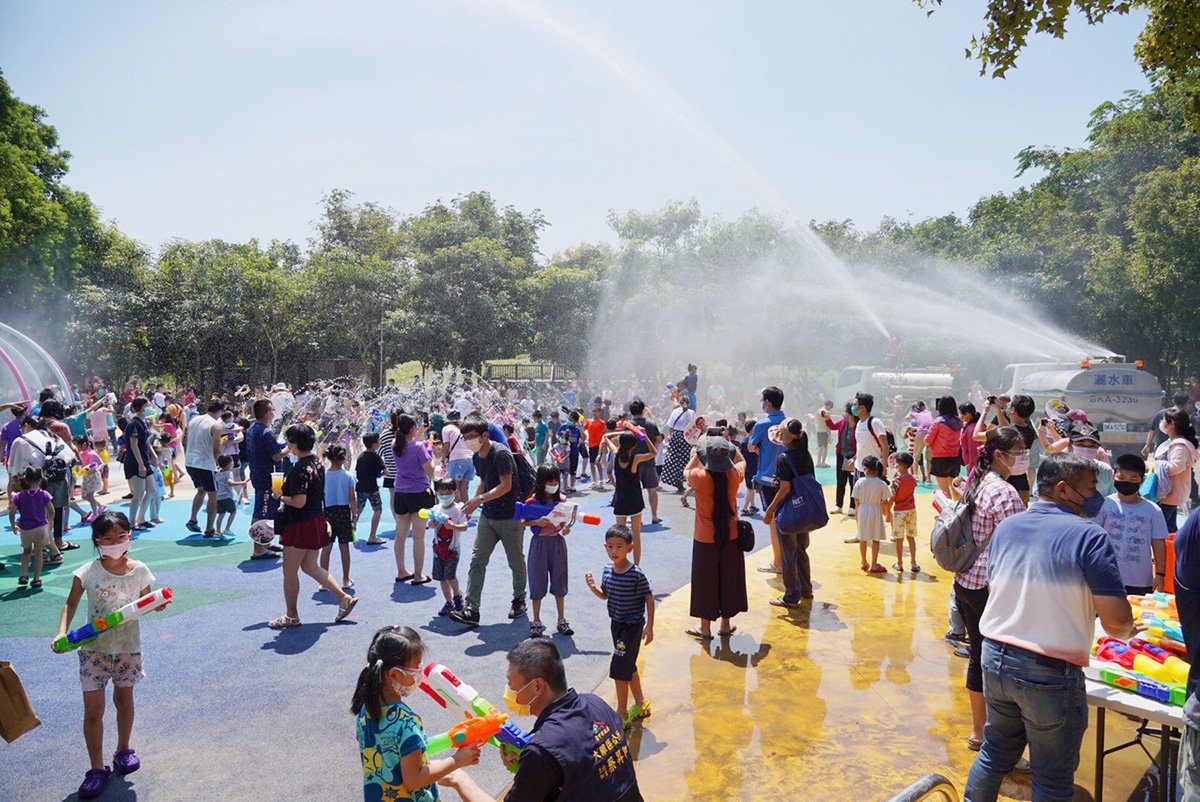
[{"x": 631, "y": 608}]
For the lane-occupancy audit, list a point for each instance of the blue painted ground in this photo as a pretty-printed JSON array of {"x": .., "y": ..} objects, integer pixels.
[{"x": 233, "y": 710}]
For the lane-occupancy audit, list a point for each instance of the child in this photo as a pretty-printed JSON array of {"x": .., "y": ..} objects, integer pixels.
[
  {"x": 391, "y": 737},
  {"x": 1136, "y": 528},
  {"x": 904, "y": 512},
  {"x": 560, "y": 458},
  {"x": 870, "y": 492},
  {"x": 91, "y": 468},
  {"x": 111, "y": 581},
  {"x": 341, "y": 510},
  {"x": 751, "y": 458},
  {"x": 367, "y": 470},
  {"x": 547, "y": 555},
  {"x": 631, "y": 610},
  {"x": 36, "y": 507},
  {"x": 225, "y": 503},
  {"x": 595, "y": 429},
  {"x": 446, "y": 545},
  {"x": 628, "y": 502}
]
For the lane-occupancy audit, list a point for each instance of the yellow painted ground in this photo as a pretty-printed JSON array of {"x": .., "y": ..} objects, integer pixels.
[{"x": 852, "y": 699}]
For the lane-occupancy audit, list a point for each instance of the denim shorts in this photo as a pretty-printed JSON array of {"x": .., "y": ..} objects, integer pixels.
[{"x": 461, "y": 470}]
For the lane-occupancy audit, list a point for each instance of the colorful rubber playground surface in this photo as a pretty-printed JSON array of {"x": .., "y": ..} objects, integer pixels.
[{"x": 852, "y": 699}]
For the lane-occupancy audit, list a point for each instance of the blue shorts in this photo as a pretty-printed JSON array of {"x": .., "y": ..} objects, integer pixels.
[
  {"x": 547, "y": 563},
  {"x": 461, "y": 470}
]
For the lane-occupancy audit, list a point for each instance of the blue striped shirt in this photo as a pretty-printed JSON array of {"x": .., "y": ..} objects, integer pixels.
[{"x": 626, "y": 594}]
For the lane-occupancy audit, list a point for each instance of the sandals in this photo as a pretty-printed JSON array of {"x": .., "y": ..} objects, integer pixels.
[
  {"x": 22, "y": 580},
  {"x": 974, "y": 744},
  {"x": 697, "y": 634},
  {"x": 878, "y": 569},
  {"x": 37, "y": 583},
  {"x": 68, "y": 546},
  {"x": 266, "y": 555},
  {"x": 376, "y": 542},
  {"x": 864, "y": 566},
  {"x": 345, "y": 608},
  {"x": 725, "y": 633},
  {"x": 283, "y": 622}
]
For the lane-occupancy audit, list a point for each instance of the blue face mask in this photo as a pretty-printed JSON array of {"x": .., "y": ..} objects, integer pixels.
[
  {"x": 1091, "y": 505},
  {"x": 854, "y": 409}
]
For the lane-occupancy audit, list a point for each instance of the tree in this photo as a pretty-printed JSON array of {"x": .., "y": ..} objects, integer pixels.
[
  {"x": 1169, "y": 45},
  {"x": 564, "y": 298}
]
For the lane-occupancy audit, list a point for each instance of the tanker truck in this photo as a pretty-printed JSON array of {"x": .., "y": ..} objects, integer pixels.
[{"x": 911, "y": 384}]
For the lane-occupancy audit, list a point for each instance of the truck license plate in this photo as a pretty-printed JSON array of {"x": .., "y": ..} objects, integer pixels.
[{"x": 1113, "y": 426}]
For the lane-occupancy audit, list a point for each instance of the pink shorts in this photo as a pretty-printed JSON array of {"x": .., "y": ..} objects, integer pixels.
[{"x": 97, "y": 668}]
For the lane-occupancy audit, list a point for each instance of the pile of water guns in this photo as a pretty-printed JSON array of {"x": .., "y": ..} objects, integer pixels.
[{"x": 1152, "y": 665}]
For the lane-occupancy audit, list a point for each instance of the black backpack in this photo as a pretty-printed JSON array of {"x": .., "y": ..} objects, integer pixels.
[
  {"x": 524, "y": 477},
  {"x": 891, "y": 438},
  {"x": 54, "y": 468}
]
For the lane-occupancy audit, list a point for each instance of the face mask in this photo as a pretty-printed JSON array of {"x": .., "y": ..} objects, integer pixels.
[
  {"x": 510, "y": 700},
  {"x": 1086, "y": 453},
  {"x": 854, "y": 409},
  {"x": 1162, "y": 426},
  {"x": 115, "y": 552},
  {"x": 1019, "y": 466},
  {"x": 474, "y": 445},
  {"x": 1091, "y": 505},
  {"x": 446, "y": 501},
  {"x": 1127, "y": 488},
  {"x": 402, "y": 690},
  {"x": 550, "y": 489}
]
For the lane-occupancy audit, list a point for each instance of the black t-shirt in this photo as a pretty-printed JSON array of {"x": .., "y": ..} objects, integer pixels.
[
  {"x": 498, "y": 462},
  {"x": 801, "y": 458},
  {"x": 137, "y": 428},
  {"x": 306, "y": 477},
  {"x": 366, "y": 472},
  {"x": 652, "y": 435}
]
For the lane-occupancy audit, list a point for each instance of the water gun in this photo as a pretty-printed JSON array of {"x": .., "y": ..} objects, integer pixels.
[
  {"x": 447, "y": 689},
  {"x": 1133, "y": 659},
  {"x": 435, "y": 514},
  {"x": 473, "y": 731},
  {"x": 1160, "y": 627},
  {"x": 637, "y": 430},
  {"x": 1163, "y": 642},
  {"x": 1176, "y": 669},
  {"x": 1172, "y": 694},
  {"x": 1156, "y": 601},
  {"x": 559, "y": 513},
  {"x": 101, "y": 624},
  {"x": 941, "y": 502}
]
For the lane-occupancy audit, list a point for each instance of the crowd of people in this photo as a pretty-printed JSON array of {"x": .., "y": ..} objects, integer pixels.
[{"x": 1056, "y": 519}]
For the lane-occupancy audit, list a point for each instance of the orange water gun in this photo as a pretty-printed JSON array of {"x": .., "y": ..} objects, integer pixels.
[{"x": 472, "y": 731}]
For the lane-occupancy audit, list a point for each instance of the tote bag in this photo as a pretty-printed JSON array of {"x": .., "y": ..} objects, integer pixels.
[
  {"x": 804, "y": 510},
  {"x": 16, "y": 713}
]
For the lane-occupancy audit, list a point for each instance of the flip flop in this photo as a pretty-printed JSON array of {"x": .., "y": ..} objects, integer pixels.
[
  {"x": 346, "y": 608},
  {"x": 424, "y": 581},
  {"x": 973, "y": 744},
  {"x": 266, "y": 555},
  {"x": 697, "y": 634},
  {"x": 726, "y": 633},
  {"x": 404, "y": 578},
  {"x": 68, "y": 546}
]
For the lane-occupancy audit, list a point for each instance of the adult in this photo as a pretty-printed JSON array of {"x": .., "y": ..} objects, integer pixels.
[
  {"x": 1015, "y": 413},
  {"x": 758, "y": 443},
  {"x": 945, "y": 445},
  {"x": 1175, "y": 457},
  {"x": 647, "y": 474},
  {"x": 411, "y": 494},
  {"x": 541, "y": 438},
  {"x": 497, "y": 496},
  {"x": 577, "y": 748},
  {"x": 967, "y": 445},
  {"x": 1045, "y": 559},
  {"x": 1193, "y": 390},
  {"x": 715, "y": 473},
  {"x": 11, "y": 430},
  {"x": 989, "y": 499},
  {"x": 98, "y": 433},
  {"x": 265, "y": 456},
  {"x": 460, "y": 465},
  {"x": 679, "y": 451},
  {"x": 688, "y": 384},
  {"x": 843, "y": 458},
  {"x": 1155, "y": 437},
  {"x": 1187, "y": 600},
  {"x": 304, "y": 530},
  {"x": 137, "y": 462},
  {"x": 823, "y": 435},
  {"x": 201, "y": 447},
  {"x": 921, "y": 420},
  {"x": 160, "y": 399},
  {"x": 794, "y": 462},
  {"x": 33, "y": 446},
  {"x": 282, "y": 401},
  {"x": 50, "y": 415}
]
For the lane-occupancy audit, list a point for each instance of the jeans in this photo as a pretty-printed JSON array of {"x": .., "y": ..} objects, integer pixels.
[
  {"x": 797, "y": 574},
  {"x": 1189, "y": 764},
  {"x": 490, "y": 532},
  {"x": 1035, "y": 700}
]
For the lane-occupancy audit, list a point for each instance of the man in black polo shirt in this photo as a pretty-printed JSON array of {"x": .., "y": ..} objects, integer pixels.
[{"x": 646, "y": 471}]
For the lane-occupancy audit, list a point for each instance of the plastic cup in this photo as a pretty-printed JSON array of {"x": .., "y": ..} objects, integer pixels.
[{"x": 277, "y": 482}]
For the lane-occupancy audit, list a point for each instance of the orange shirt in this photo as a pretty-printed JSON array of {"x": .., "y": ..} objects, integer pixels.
[
  {"x": 595, "y": 432},
  {"x": 699, "y": 480}
]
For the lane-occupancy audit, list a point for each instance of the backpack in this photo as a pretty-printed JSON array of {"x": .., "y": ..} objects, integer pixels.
[
  {"x": 804, "y": 510},
  {"x": 891, "y": 438},
  {"x": 54, "y": 467},
  {"x": 524, "y": 477},
  {"x": 952, "y": 541}
]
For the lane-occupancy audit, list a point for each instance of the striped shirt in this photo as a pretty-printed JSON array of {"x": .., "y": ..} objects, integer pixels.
[
  {"x": 626, "y": 592},
  {"x": 995, "y": 500},
  {"x": 387, "y": 439}
]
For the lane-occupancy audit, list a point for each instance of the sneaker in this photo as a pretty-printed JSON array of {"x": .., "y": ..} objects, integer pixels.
[
  {"x": 458, "y": 603},
  {"x": 446, "y": 609},
  {"x": 209, "y": 534},
  {"x": 564, "y": 627},
  {"x": 962, "y": 651},
  {"x": 126, "y": 761},
  {"x": 466, "y": 616},
  {"x": 518, "y": 608},
  {"x": 953, "y": 638},
  {"x": 836, "y": 511},
  {"x": 193, "y": 526},
  {"x": 769, "y": 569},
  {"x": 537, "y": 629},
  {"x": 94, "y": 782},
  {"x": 853, "y": 513}
]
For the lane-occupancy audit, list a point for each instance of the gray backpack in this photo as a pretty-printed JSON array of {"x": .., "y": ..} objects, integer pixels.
[{"x": 952, "y": 542}]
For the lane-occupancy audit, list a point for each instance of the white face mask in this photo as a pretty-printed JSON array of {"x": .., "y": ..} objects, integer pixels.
[
  {"x": 115, "y": 551},
  {"x": 402, "y": 690},
  {"x": 551, "y": 489},
  {"x": 1086, "y": 453},
  {"x": 474, "y": 445},
  {"x": 1162, "y": 427}
]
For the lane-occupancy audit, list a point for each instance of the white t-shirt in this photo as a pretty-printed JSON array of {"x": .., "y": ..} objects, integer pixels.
[
  {"x": 681, "y": 418},
  {"x": 108, "y": 592},
  {"x": 282, "y": 401},
  {"x": 452, "y": 437},
  {"x": 160, "y": 402},
  {"x": 1131, "y": 528},
  {"x": 199, "y": 450},
  {"x": 29, "y": 449},
  {"x": 455, "y": 515},
  {"x": 865, "y": 445}
]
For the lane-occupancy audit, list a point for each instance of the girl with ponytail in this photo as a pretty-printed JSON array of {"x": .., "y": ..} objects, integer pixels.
[
  {"x": 391, "y": 738},
  {"x": 990, "y": 499}
]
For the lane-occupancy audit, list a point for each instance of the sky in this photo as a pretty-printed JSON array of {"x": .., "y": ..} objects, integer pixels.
[{"x": 233, "y": 119}]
